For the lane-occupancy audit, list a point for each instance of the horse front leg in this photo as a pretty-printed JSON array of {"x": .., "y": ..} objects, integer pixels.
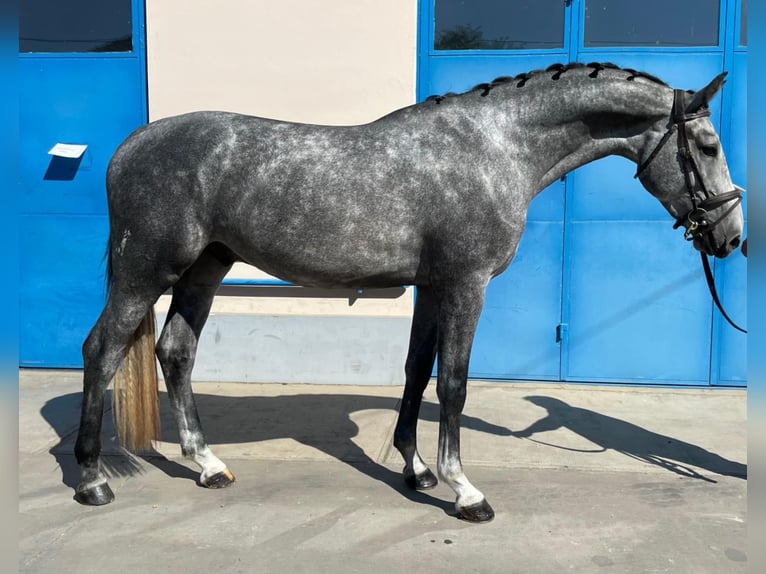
[
  {"x": 420, "y": 363},
  {"x": 459, "y": 312}
]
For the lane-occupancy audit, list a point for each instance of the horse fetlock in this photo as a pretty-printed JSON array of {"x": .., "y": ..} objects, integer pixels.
[
  {"x": 423, "y": 480},
  {"x": 416, "y": 473}
]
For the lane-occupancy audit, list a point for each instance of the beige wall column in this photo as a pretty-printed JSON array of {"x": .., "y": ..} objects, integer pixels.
[
  {"x": 316, "y": 61},
  {"x": 335, "y": 62}
]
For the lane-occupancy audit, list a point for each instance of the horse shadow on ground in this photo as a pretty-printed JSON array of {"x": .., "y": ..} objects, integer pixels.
[
  {"x": 321, "y": 421},
  {"x": 629, "y": 439},
  {"x": 325, "y": 422}
]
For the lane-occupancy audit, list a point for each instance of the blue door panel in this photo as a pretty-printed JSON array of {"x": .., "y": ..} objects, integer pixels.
[
  {"x": 92, "y": 98},
  {"x": 62, "y": 286},
  {"x": 730, "y": 346},
  {"x": 638, "y": 310},
  {"x": 516, "y": 337},
  {"x": 731, "y": 359},
  {"x": 638, "y": 301},
  {"x": 606, "y": 190},
  {"x": 684, "y": 70},
  {"x": 460, "y": 73},
  {"x": 549, "y": 204},
  {"x": 634, "y": 296},
  {"x": 736, "y": 143},
  {"x": 83, "y": 100}
]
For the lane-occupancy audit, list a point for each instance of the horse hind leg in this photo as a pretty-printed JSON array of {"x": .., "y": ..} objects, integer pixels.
[
  {"x": 418, "y": 367},
  {"x": 176, "y": 350},
  {"x": 124, "y": 314}
]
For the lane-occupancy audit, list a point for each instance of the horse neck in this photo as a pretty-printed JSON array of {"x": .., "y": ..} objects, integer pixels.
[{"x": 573, "y": 121}]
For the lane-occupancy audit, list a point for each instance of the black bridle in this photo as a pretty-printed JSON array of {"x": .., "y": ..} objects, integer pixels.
[{"x": 696, "y": 221}]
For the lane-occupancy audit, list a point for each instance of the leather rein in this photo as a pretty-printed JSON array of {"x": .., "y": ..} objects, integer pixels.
[{"x": 696, "y": 221}]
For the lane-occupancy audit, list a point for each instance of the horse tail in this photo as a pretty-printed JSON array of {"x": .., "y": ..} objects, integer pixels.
[{"x": 135, "y": 397}]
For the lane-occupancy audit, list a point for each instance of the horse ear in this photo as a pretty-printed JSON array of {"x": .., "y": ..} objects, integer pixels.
[{"x": 703, "y": 97}]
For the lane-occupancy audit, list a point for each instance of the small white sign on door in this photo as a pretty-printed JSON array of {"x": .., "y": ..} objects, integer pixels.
[{"x": 68, "y": 150}]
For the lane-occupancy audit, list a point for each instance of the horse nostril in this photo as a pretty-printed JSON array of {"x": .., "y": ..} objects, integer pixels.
[{"x": 734, "y": 242}]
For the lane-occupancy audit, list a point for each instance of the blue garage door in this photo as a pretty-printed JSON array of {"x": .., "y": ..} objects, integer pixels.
[
  {"x": 82, "y": 80},
  {"x": 602, "y": 288},
  {"x": 729, "y": 359}
]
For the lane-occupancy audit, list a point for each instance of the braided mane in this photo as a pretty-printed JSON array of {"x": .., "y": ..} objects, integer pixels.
[{"x": 556, "y": 71}]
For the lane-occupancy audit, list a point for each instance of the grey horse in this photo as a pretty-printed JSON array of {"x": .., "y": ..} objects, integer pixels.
[{"x": 433, "y": 195}]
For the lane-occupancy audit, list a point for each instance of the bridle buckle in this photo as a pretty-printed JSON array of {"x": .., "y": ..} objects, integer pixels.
[{"x": 693, "y": 225}]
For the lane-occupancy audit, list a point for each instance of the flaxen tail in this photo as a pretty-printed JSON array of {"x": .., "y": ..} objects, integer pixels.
[{"x": 135, "y": 398}]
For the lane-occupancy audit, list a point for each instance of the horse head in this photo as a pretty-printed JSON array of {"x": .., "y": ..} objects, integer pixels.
[{"x": 691, "y": 178}]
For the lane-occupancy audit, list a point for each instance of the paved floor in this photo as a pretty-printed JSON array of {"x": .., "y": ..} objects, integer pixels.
[{"x": 582, "y": 479}]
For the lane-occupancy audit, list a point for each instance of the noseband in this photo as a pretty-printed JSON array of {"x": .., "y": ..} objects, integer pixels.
[{"x": 696, "y": 221}]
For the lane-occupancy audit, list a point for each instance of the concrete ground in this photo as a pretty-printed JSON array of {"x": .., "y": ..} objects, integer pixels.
[{"x": 582, "y": 479}]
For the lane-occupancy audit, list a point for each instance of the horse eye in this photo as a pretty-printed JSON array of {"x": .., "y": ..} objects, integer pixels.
[{"x": 709, "y": 150}]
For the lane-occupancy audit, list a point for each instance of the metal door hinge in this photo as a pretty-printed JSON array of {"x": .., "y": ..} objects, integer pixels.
[{"x": 562, "y": 330}]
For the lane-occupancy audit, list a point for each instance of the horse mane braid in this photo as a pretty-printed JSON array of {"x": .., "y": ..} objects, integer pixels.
[{"x": 556, "y": 71}]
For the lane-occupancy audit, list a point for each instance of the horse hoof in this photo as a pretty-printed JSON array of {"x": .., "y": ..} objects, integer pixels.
[
  {"x": 423, "y": 481},
  {"x": 220, "y": 479},
  {"x": 95, "y": 495},
  {"x": 481, "y": 512}
]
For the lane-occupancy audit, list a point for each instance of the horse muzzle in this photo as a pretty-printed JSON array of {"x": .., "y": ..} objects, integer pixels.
[
  {"x": 703, "y": 226},
  {"x": 709, "y": 246}
]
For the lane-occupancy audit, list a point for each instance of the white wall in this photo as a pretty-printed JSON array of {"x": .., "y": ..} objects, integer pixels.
[{"x": 317, "y": 61}]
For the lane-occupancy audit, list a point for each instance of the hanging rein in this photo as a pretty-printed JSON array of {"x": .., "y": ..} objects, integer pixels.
[{"x": 696, "y": 221}]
